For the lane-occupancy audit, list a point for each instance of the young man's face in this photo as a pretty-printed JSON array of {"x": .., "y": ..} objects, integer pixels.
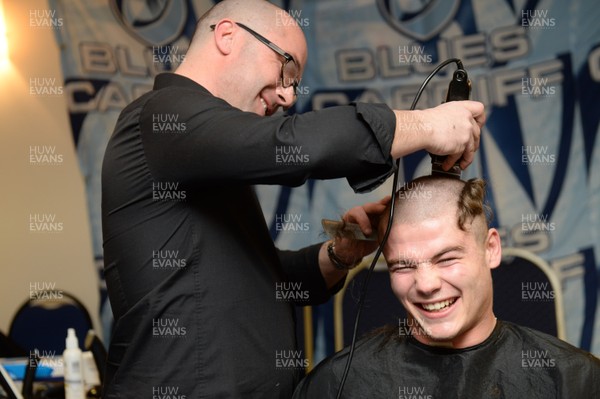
[{"x": 442, "y": 276}]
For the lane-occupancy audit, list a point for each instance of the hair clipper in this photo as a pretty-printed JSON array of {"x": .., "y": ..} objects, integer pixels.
[{"x": 458, "y": 89}]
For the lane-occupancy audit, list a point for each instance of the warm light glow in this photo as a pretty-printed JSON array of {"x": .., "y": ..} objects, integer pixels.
[{"x": 3, "y": 39}]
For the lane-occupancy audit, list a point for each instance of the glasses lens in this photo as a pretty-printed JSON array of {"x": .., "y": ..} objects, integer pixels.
[{"x": 290, "y": 74}]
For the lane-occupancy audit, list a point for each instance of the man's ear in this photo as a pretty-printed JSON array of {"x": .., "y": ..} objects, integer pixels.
[
  {"x": 223, "y": 35},
  {"x": 493, "y": 248}
]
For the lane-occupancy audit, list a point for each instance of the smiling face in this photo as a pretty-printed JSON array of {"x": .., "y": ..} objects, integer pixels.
[
  {"x": 255, "y": 37},
  {"x": 237, "y": 54},
  {"x": 442, "y": 273},
  {"x": 258, "y": 84}
]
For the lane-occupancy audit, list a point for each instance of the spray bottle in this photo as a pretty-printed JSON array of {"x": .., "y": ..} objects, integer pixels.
[{"x": 72, "y": 359}]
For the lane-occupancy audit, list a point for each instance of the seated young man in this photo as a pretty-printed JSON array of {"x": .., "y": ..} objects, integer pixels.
[{"x": 440, "y": 253}]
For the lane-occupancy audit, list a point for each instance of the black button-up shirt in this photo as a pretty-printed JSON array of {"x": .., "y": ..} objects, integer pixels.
[{"x": 195, "y": 282}]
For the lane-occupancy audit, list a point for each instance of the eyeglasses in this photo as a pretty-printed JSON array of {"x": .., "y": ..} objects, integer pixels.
[{"x": 289, "y": 68}]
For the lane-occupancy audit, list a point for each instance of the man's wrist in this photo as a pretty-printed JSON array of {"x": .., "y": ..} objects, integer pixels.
[
  {"x": 409, "y": 135},
  {"x": 337, "y": 262}
]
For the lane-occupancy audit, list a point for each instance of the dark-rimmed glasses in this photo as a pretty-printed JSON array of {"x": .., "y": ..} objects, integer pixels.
[{"x": 289, "y": 68}]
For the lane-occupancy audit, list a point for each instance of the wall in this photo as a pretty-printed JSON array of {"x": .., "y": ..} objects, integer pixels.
[{"x": 44, "y": 228}]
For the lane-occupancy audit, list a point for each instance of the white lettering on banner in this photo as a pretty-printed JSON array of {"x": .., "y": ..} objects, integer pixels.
[
  {"x": 492, "y": 89},
  {"x": 97, "y": 57},
  {"x": 390, "y": 68},
  {"x": 478, "y": 50},
  {"x": 111, "y": 96},
  {"x": 355, "y": 65},
  {"x": 538, "y": 241},
  {"x": 471, "y": 49},
  {"x": 501, "y": 45},
  {"x": 570, "y": 266},
  {"x": 101, "y": 58}
]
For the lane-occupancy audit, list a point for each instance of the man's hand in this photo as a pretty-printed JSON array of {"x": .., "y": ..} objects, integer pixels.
[
  {"x": 352, "y": 251},
  {"x": 367, "y": 217},
  {"x": 452, "y": 129}
]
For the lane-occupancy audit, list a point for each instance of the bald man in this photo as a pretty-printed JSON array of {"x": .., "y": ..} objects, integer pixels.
[
  {"x": 202, "y": 299},
  {"x": 440, "y": 252}
]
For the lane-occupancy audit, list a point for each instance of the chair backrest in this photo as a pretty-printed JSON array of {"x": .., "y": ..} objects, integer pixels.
[
  {"x": 42, "y": 322},
  {"x": 528, "y": 292},
  {"x": 305, "y": 334}
]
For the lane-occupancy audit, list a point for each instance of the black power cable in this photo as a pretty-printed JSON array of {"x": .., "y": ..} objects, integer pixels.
[{"x": 363, "y": 293}]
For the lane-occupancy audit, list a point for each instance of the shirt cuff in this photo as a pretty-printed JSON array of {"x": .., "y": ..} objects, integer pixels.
[{"x": 382, "y": 122}]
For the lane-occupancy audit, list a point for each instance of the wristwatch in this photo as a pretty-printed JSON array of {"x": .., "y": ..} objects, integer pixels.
[{"x": 337, "y": 262}]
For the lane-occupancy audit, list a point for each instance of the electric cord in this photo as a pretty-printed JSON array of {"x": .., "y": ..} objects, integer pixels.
[{"x": 365, "y": 285}]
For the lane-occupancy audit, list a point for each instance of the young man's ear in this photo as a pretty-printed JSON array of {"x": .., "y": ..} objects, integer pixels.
[{"x": 493, "y": 248}]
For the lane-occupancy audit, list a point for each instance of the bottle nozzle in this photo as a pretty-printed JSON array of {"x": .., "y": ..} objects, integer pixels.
[{"x": 72, "y": 342}]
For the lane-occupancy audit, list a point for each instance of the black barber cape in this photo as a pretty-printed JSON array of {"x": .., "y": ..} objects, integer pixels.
[
  {"x": 200, "y": 295},
  {"x": 513, "y": 363}
]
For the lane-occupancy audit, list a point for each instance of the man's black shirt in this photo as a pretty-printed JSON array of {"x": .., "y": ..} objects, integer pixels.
[{"x": 192, "y": 273}]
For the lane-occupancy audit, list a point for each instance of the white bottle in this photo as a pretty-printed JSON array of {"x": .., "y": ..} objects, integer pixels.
[{"x": 72, "y": 359}]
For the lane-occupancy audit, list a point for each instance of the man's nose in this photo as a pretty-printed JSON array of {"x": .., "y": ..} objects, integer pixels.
[
  {"x": 427, "y": 279},
  {"x": 285, "y": 96}
]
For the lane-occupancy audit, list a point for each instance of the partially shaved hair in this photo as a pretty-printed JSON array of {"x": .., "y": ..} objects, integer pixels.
[{"x": 428, "y": 197}]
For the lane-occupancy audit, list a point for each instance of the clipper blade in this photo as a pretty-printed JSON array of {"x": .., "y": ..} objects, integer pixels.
[{"x": 436, "y": 168}]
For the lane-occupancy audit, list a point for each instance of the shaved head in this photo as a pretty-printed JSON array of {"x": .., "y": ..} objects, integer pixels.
[
  {"x": 249, "y": 53},
  {"x": 260, "y": 15},
  {"x": 430, "y": 197},
  {"x": 246, "y": 11}
]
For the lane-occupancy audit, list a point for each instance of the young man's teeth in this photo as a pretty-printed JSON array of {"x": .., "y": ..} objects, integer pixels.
[
  {"x": 438, "y": 305},
  {"x": 264, "y": 104}
]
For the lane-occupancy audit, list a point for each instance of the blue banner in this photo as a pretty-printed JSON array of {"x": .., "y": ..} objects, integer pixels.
[{"x": 535, "y": 64}]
